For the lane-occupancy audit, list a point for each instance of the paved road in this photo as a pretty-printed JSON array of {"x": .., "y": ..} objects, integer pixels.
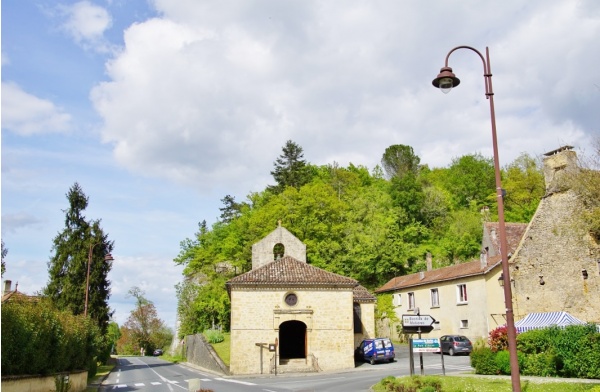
[{"x": 156, "y": 375}]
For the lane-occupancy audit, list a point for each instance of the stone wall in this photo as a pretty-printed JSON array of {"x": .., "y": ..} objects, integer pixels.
[
  {"x": 77, "y": 380},
  {"x": 200, "y": 353},
  {"x": 548, "y": 266}
]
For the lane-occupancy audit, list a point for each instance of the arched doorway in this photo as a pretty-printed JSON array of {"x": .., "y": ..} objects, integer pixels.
[{"x": 292, "y": 340}]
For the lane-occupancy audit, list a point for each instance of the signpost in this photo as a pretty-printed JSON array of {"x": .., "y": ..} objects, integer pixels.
[{"x": 419, "y": 323}]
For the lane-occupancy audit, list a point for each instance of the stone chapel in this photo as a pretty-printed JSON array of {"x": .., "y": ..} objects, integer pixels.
[{"x": 287, "y": 315}]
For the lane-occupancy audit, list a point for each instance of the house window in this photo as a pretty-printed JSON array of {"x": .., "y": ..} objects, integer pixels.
[
  {"x": 435, "y": 298},
  {"x": 464, "y": 323},
  {"x": 396, "y": 300},
  {"x": 357, "y": 318},
  {"x": 461, "y": 293},
  {"x": 411, "y": 300}
]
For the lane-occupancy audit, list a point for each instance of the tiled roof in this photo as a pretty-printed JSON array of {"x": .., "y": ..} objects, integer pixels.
[
  {"x": 361, "y": 294},
  {"x": 514, "y": 233},
  {"x": 18, "y": 296},
  {"x": 289, "y": 271},
  {"x": 441, "y": 274}
]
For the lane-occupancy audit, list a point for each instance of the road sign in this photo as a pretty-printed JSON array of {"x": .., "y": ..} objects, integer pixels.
[
  {"x": 410, "y": 330},
  {"x": 426, "y": 345},
  {"x": 411, "y": 320}
]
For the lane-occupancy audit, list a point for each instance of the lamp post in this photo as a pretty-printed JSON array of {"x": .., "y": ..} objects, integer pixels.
[
  {"x": 445, "y": 81},
  {"x": 108, "y": 257}
]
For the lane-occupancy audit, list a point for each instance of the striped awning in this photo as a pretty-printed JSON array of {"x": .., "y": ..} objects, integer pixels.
[{"x": 543, "y": 320}]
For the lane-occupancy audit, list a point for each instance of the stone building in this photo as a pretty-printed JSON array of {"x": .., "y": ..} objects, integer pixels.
[
  {"x": 314, "y": 318},
  {"x": 557, "y": 265}
]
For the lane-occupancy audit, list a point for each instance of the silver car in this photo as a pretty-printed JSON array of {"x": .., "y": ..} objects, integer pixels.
[{"x": 456, "y": 344}]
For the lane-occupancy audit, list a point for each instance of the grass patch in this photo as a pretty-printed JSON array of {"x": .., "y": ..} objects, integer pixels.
[
  {"x": 103, "y": 371},
  {"x": 485, "y": 384},
  {"x": 222, "y": 348}
]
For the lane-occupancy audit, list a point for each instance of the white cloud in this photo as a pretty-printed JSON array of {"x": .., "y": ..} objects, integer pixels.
[
  {"x": 86, "y": 23},
  {"x": 27, "y": 115},
  {"x": 214, "y": 91}
]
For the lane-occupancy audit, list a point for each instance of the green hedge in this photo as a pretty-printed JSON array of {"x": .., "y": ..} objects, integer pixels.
[
  {"x": 572, "y": 352},
  {"x": 38, "y": 339}
]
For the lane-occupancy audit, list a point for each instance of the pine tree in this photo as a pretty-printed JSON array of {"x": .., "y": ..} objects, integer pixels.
[
  {"x": 290, "y": 168},
  {"x": 67, "y": 268}
]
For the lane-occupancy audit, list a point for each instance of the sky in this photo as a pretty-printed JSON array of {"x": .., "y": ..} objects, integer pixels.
[{"x": 161, "y": 108}]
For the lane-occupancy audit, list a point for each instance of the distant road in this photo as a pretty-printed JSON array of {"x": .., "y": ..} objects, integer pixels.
[{"x": 156, "y": 375}]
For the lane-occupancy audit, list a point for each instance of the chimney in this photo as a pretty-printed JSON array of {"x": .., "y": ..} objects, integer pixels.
[
  {"x": 7, "y": 284},
  {"x": 557, "y": 164},
  {"x": 421, "y": 275},
  {"x": 483, "y": 258},
  {"x": 429, "y": 261}
]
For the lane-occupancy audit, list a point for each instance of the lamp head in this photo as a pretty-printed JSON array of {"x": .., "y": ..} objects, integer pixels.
[{"x": 446, "y": 80}]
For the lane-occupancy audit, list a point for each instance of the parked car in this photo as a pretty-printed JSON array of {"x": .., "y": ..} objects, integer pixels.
[
  {"x": 455, "y": 344},
  {"x": 375, "y": 350},
  {"x": 157, "y": 352}
]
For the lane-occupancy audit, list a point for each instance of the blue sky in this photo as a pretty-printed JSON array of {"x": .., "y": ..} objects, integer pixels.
[{"x": 161, "y": 108}]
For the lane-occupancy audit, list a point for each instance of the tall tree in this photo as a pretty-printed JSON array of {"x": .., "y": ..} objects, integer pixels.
[
  {"x": 230, "y": 209},
  {"x": 4, "y": 253},
  {"x": 68, "y": 266},
  {"x": 143, "y": 328},
  {"x": 290, "y": 168},
  {"x": 399, "y": 160}
]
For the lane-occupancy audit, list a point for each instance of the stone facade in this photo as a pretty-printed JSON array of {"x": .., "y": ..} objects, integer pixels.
[
  {"x": 262, "y": 251},
  {"x": 557, "y": 266},
  {"x": 312, "y": 316}
]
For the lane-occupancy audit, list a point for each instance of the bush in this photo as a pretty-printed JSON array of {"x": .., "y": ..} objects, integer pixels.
[
  {"x": 412, "y": 384},
  {"x": 498, "y": 339},
  {"x": 484, "y": 361},
  {"x": 541, "y": 364},
  {"x": 38, "y": 339},
  {"x": 214, "y": 336}
]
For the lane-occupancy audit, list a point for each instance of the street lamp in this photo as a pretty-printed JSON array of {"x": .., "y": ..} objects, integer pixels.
[
  {"x": 445, "y": 81},
  {"x": 108, "y": 257}
]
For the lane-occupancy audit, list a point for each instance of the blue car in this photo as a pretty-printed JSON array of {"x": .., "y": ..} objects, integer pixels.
[{"x": 375, "y": 350}]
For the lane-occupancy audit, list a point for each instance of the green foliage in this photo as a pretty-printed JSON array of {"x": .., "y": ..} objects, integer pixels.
[
  {"x": 214, "y": 336},
  {"x": 544, "y": 364},
  {"x": 39, "y": 339},
  {"x": 524, "y": 183},
  {"x": 399, "y": 160},
  {"x": 471, "y": 179},
  {"x": 68, "y": 267},
  {"x": 143, "y": 329},
  {"x": 290, "y": 169},
  {"x": 483, "y": 360},
  {"x": 412, "y": 384},
  {"x": 385, "y": 308},
  {"x": 354, "y": 223},
  {"x": 502, "y": 360},
  {"x": 4, "y": 253}
]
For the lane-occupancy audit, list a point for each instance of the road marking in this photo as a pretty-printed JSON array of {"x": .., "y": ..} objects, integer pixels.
[
  {"x": 155, "y": 383},
  {"x": 235, "y": 381},
  {"x": 139, "y": 384},
  {"x": 122, "y": 386}
]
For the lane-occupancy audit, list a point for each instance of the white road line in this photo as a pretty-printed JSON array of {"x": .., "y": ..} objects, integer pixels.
[
  {"x": 155, "y": 383},
  {"x": 235, "y": 381},
  {"x": 122, "y": 386},
  {"x": 139, "y": 384}
]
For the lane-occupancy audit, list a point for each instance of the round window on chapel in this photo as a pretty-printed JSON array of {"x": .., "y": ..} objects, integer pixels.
[{"x": 291, "y": 299}]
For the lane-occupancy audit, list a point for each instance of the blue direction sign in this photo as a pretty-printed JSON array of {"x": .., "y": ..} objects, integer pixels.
[{"x": 426, "y": 345}]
